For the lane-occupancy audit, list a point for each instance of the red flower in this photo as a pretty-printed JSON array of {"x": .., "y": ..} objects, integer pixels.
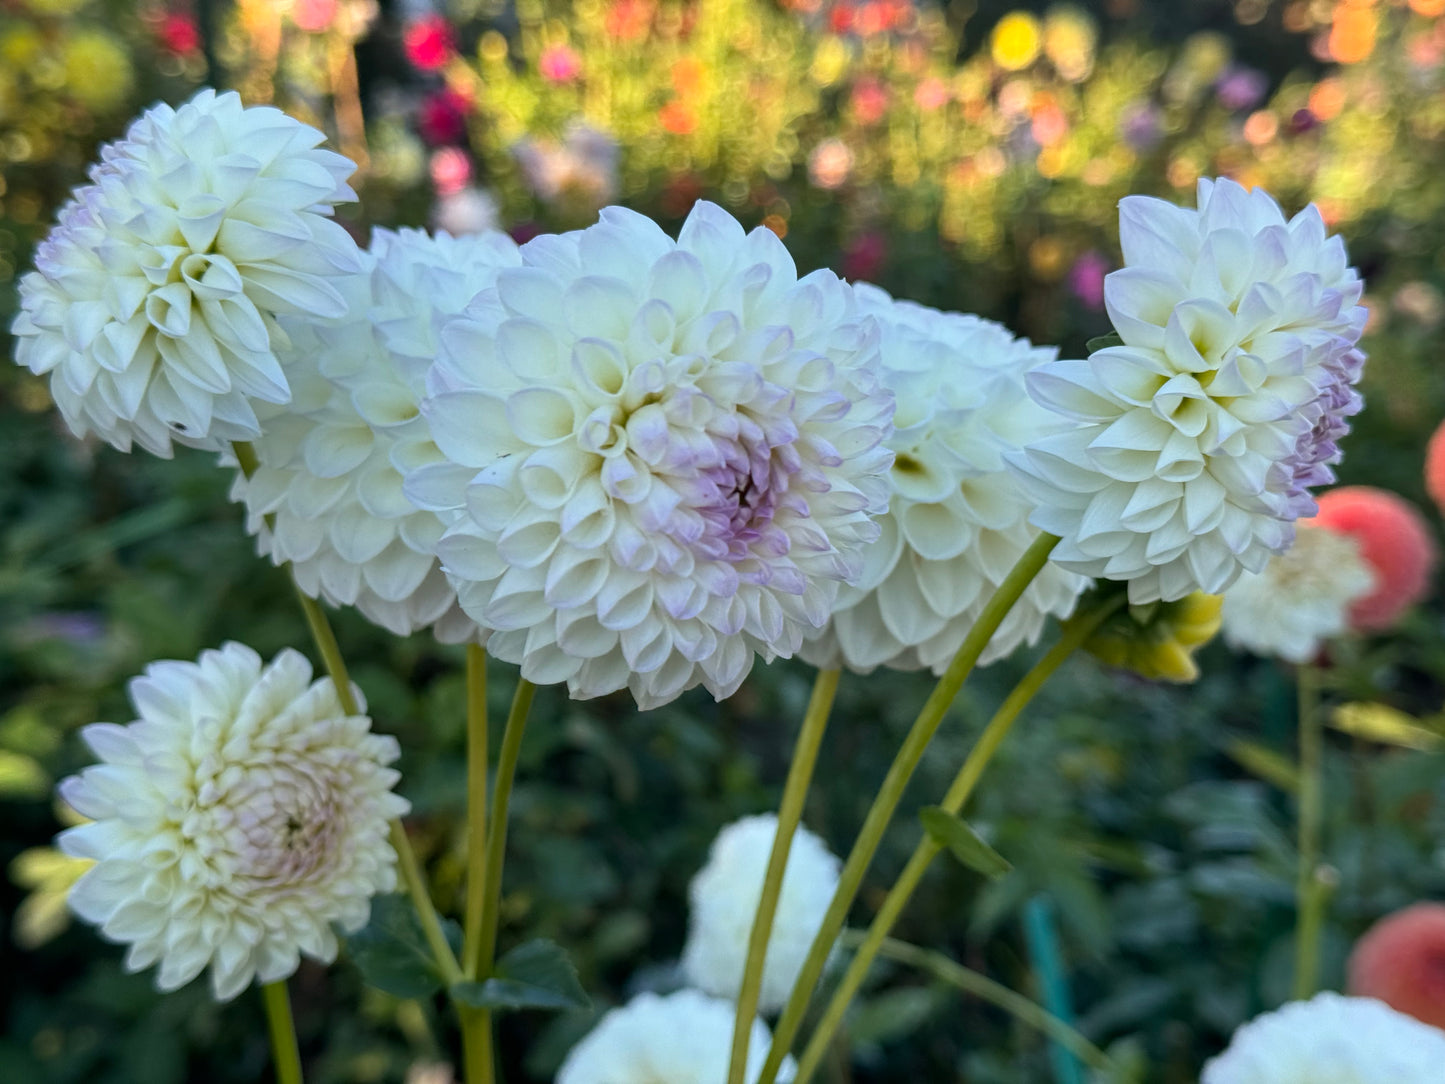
[
  {"x": 179, "y": 34},
  {"x": 677, "y": 118},
  {"x": 864, "y": 257},
  {"x": 870, "y": 100},
  {"x": 1435, "y": 468},
  {"x": 1395, "y": 543},
  {"x": 429, "y": 43},
  {"x": 442, "y": 118},
  {"x": 1401, "y": 961}
]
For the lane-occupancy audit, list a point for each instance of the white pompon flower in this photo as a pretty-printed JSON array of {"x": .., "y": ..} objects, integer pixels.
[
  {"x": 153, "y": 300},
  {"x": 957, "y": 522},
  {"x": 328, "y": 470},
  {"x": 235, "y": 822},
  {"x": 1331, "y": 1040},
  {"x": 1300, "y": 599},
  {"x": 724, "y": 897},
  {"x": 662, "y": 457},
  {"x": 683, "y": 1038},
  {"x": 1203, "y": 432}
]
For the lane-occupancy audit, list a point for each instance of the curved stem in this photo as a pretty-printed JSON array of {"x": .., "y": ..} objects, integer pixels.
[
  {"x": 891, "y": 792},
  {"x": 1310, "y": 890},
  {"x": 335, "y": 665},
  {"x": 476, "y": 800},
  {"x": 283, "y": 1032},
  {"x": 986, "y": 989},
  {"x": 958, "y": 793},
  {"x": 790, "y": 812}
]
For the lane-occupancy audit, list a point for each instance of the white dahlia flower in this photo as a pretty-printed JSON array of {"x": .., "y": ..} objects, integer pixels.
[
  {"x": 662, "y": 456},
  {"x": 239, "y": 819},
  {"x": 1201, "y": 434},
  {"x": 1300, "y": 599},
  {"x": 1331, "y": 1040},
  {"x": 724, "y": 897},
  {"x": 957, "y": 522},
  {"x": 683, "y": 1038},
  {"x": 329, "y": 472},
  {"x": 153, "y": 300}
]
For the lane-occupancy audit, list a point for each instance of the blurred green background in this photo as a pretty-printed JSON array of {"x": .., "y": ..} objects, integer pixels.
[{"x": 968, "y": 156}]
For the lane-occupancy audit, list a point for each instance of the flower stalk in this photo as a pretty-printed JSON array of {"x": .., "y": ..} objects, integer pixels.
[
  {"x": 978, "y": 759},
  {"x": 476, "y": 801},
  {"x": 891, "y": 793},
  {"x": 282, "y": 1028},
  {"x": 790, "y": 812},
  {"x": 1311, "y": 891}
]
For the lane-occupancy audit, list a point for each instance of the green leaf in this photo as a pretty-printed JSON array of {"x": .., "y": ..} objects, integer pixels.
[
  {"x": 534, "y": 975},
  {"x": 1101, "y": 342},
  {"x": 1261, "y": 761},
  {"x": 949, "y": 831},
  {"x": 391, "y": 952}
]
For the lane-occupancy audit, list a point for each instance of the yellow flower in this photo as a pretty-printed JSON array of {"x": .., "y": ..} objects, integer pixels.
[
  {"x": 1156, "y": 640},
  {"x": 1016, "y": 41},
  {"x": 1069, "y": 38},
  {"x": 98, "y": 72},
  {"x": 20, "y": 45}
]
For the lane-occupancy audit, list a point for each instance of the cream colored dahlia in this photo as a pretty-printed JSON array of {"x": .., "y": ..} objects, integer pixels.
[
  {"x": 329, "y": 474},
  {"x": 154, "y": 298},
  {"x": 662, "y": 456},
  {"x": 957, "y": 521},
  {"x": 683, "y": 1038},
  {"x": 1201, "y": 434},
  {"x": 724, "y": 897},
  {"x": 239, "y": 819},
  {"x": 1302, "y": 597},
  {"x": 1331, "y": 1040}
]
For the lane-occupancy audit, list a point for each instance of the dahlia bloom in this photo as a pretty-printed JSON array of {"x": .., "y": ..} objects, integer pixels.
[
  {"x": 1156, "y": 640},
  {"x": 1401, "y": 961},
  {"x": 662, "y": 458},
  {"x": 154, "y": 298},
  {"x": 956, "y": 523},
  {"x": 725, "y": 895},
  {"x": 1330, "y": 1038},
  {"x": 683, "y": 1038},
  {"x": 328, "y": 474},
  {"x": 1395, "y": 542},
  {"x": 1302, "y": 597},
  {"x": 235, "y": 822},
  {"x": 1202, "y": 432}
]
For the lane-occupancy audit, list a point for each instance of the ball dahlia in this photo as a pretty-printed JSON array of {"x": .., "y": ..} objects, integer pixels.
[
  {"x": 724, "y": 897},
  {"x": 1395, "y": 542},
  {"x": 153, "y": 302},
  {"x": 329, "y": 474},
  {"x": 956, "y": 523},
  {"x": 1204, "y": 429},
  {"x": 683, "y": 1038},
  {"x": 1401, "y": 961},
  {"x": 1300, "y": 599},
  {"x": 1342, "y": 1040},
  {"x": 662, "y": 457},
  {"x": 239, "y": 818}
]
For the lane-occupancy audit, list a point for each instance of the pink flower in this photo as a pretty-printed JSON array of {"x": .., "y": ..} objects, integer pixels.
[
  {"x": 931, "y": 94},
  {"x": 442, "y": 118},
  {"x": 1401, "y": 961},
  {"x": 864, "y": 257},
  {"x": 1086, "y": 279},
  {"x": 1435, "y": 468},
  {"x": 313, "y": 16},
  {"x": 179, "y": 34},
  {"x": 559, "y": 64},
  {"x": 429, "y": 43},
  {"x": 450, "y": 169},
  {"x": 870, "y": 100},
  {"x": 1395, "y": 543}
]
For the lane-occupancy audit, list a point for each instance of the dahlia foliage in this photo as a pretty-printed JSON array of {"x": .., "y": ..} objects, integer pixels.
[
  {"x": 1201, "y": 432},
  {"x": 662, "y": 458},
  {"x": 154, "y": 300},
  {"x": 235, "y": 822}
]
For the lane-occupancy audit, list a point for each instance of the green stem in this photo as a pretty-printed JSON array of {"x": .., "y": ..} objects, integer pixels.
[
  {"x": 984, "y": 988},
  {"x": 477, "y": 1062},
  {"x": 476, "y": 800},
  {"x": 283, "y": 1032},
  {"x": 790, "y": 812},
  {"x": 331, "y": 659},
  {"x": 958, "y": 793},
  {"x": 891, "y": 792},
  {"x": 1310, "y": 891},
  {"x": 477, "y": 1026}
]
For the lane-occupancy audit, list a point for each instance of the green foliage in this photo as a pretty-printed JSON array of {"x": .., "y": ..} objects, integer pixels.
[
  {"x": 391, "y": 951},
  {"x": 534, "y": 975},
  {"x": 953, "y": 833}
]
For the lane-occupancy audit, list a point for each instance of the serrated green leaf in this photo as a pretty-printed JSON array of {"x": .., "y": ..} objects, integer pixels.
[
  {"x": 963, "y": 842},
  {"x": 391, "y": 951},
  {"x": 534, "y": 975},
  {"x": 1101, "y": 342}
]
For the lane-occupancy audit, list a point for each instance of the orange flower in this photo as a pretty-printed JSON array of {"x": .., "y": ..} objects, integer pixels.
[
  {"x": 1352, "y": 37},
  {"x": 1395, "y": 543},
  {"x": 1401, "y": 961},
  {"x": 1435, "y": 468},
  {"x": 677, "y": 118}
]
